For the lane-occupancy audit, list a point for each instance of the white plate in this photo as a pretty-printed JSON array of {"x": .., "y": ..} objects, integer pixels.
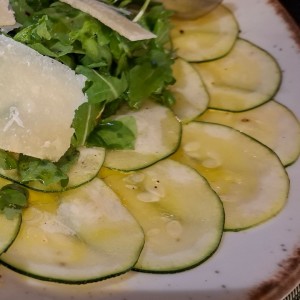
[{"x": 260, "y": 263}]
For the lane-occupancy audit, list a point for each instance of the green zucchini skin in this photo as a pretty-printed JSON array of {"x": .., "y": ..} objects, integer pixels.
[{"x": 63, "y": 281}]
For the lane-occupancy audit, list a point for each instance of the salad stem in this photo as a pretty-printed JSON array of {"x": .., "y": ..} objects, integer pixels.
[{"x": 141, "y": 12}]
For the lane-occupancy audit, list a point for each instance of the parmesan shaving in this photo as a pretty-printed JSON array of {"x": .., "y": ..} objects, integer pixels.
[
  {"x": 7, "y": 17},
  {"x": 112, "y": 19},
  {"x": 13, "y": 118},
  {"x": 38, "y": 100}
]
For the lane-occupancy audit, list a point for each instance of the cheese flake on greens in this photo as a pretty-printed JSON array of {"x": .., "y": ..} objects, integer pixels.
[
  {"x": 6, "y": 14},
  {"x": 38, "y": 100},
  {"x": 112, "y": 19}
]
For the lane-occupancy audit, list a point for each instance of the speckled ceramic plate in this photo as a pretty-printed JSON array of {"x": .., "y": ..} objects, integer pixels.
[{"x": 260, "y": 263}]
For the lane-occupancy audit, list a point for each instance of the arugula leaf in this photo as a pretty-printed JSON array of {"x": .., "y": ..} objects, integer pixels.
[
  {"x": 102, "y": 87},
  {"x": 24, "y": 9},
  {"x": 114, "y": 134},
  {"x": 63, "y": 30},
  {"x": 34, "y": 169},
  {"x": 94, "y": 43},
  {"x": 13, "y": 198},
  {"x": 166, "y": 98},
  {"x": 149, "y": 76},
  {"x": 67, "y": 160},
  {"x": 39, "y": 35},
  {"x": 111, "y": 108},
  {"x": 35, "y": 32},
  {"x": 7, "y": 161},
  {"x": 157, "y": 19},
  {"x": 85, "y": 120},
  {"x": 47, "y": 172}
]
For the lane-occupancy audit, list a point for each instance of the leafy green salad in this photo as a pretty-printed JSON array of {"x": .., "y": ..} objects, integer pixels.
[{"x": 118, "y": 72}]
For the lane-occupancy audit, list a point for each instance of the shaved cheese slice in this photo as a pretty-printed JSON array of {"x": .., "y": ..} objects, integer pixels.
[
  {"x": 38, "y": 100},
  {"x": 112, "y": 19},
  {"x": 7, "y": 17}
]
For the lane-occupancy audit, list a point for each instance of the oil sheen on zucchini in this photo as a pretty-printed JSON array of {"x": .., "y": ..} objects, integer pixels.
[
  {"x": 182, "y": 217},
  {"x": 158, "y": 136},
  {"x": 261, "y": 123},
  {"x": 190, "y": 93},
  {"x": 248, "y": 176},
  {"x": 205, "y": 38},
  {"x": 246, "y": 77},
  {"x": 77, "y": 236}
]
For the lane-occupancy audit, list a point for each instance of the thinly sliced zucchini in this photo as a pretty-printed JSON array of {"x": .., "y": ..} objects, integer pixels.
[
  {"x": 84, "y": 170},
  {"x": 246, "y": 77},
  {"x": 181, "y": 215},
  {"x": 273, "y": 124},
  {"x": 190, "y": 94},
  {"x": 9, "y": 227},
  {"x": 78, "y": 236},
  {"x": 247, "y": 175},
  {"x": 205, "y": 38},
  {"x": 158, "y": 136}
]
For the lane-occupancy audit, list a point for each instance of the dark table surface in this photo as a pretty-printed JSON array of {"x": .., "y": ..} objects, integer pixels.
[{"x": 293, "y": 7}]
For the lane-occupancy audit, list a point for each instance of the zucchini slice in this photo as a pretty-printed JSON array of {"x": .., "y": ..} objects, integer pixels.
[
  {"x": 78, "y": 236},
  {"x": 84, "y": 170},
  {"x": 248, "y": 176},
  {"x": 9, "y": 227},
  {"x": 190, "y": 94},
  {"x": 208, "y": 37},
  {"x": 182, "y": 217},
  {"x": 283, "y": 136},
  {"x": 158, "y": 136},
  {"x": 246, "y": 77}
]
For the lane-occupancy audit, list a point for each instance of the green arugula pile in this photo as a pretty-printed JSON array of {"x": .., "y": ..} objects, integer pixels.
[
  {"x": 119, "y": 72},
  {"x": 13, "y": 198}
]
